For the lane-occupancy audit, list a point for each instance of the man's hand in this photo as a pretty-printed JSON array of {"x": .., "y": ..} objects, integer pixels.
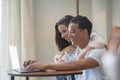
[
  {"x": 27, "y": 63},
  {"x": 36, "y": 65}
]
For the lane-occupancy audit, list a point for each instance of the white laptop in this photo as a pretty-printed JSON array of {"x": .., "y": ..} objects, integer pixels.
[{"x": 15, "y": 61}]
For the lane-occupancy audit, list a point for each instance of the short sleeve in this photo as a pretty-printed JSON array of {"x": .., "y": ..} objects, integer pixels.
[
  {"x": 97, "y": 54},
  {"x": 66, "y": 57}
]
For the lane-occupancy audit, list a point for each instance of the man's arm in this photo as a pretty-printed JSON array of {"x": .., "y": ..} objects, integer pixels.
[
  {"x": 71, "y": 65},
  {"x": 74, "y": 65}
]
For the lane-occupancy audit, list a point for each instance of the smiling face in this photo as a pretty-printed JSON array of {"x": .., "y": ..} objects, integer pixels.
[
  {"x": 78, "y": 36},
  {"x": 63, "y": 29}
]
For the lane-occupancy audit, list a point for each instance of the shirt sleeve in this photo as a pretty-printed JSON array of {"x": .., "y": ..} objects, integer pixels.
[
  {"x": 55, "y": 58},
  {"x": 66, "y": 57},
  {"x": 96, "y": 41},
  {"x": 97, "y": 54}
]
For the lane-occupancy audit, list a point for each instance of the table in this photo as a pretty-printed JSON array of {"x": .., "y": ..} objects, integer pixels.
[{"x": 13, "y": 73}]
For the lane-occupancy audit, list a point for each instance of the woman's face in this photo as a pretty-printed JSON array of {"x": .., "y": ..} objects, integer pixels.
[{"x": 63, "y": 29}]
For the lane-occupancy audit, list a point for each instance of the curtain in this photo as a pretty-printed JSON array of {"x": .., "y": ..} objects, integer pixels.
[{"x": 17, "y": 29}]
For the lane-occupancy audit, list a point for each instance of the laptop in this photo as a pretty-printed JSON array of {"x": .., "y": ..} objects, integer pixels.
[{"x": 15, "y": 61}]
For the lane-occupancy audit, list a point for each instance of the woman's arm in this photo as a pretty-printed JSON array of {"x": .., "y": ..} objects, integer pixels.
[{"x": 67, "y": 50}]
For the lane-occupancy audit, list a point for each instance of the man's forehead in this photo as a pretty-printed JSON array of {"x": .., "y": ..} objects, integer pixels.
[{"x": 72, "y": 26}]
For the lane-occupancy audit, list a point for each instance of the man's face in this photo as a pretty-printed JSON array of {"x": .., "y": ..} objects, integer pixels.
[{"x": 76, "y": 35}]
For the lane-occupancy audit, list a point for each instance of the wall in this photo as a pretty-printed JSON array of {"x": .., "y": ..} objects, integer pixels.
[
  {"x": 116, "y": 12},
  {"x": 99, "y": 17}
]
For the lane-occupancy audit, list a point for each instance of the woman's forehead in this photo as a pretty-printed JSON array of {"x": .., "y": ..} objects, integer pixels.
[{"x": 62, "y": 26}]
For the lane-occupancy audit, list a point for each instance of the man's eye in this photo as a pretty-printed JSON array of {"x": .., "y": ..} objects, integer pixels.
[{"x": 72, "y": 31}]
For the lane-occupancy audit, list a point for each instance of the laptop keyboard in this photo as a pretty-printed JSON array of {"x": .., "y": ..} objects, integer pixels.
[{"x": 23, "y": 70}]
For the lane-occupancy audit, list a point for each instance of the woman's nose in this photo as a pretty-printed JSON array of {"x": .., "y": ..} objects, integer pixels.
[{"x": 63, "y": 35}]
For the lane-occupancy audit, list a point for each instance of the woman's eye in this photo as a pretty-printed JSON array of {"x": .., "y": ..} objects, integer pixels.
[{"x": 64, "y": 31}]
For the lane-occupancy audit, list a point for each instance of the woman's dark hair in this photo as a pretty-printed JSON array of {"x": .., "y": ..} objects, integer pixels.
[
  {"x": 83, "y": 22},
  {"x": 61, "y": 42}
]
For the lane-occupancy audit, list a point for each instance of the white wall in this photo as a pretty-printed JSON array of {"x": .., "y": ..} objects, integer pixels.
[
  {"x": 99, "y": 17},
  {"x": 116, "y": 13}
]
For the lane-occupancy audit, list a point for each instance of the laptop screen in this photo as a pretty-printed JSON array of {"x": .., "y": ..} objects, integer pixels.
[{"x": 14, "y": 57}]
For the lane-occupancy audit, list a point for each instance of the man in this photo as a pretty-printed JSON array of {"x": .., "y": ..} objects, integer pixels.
[{"x": 79, "y": 32}]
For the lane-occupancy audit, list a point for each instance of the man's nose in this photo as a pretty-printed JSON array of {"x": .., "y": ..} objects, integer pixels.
[{"x": 69, "y": 35}]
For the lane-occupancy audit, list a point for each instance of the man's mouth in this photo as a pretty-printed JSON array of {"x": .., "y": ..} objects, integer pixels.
[{"x": 72, "y": 41}]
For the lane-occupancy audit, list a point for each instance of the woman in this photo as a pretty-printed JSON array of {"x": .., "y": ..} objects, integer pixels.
[{"x": 61, "y": 37}]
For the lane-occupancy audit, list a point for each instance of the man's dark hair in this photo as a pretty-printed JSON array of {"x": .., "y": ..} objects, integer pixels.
[{"x": 83, "y": 23}]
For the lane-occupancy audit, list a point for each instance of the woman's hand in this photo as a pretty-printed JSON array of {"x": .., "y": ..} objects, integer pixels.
[
  {"x": 69, "y": 50},
  {"x": 82, "y": 55}
]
